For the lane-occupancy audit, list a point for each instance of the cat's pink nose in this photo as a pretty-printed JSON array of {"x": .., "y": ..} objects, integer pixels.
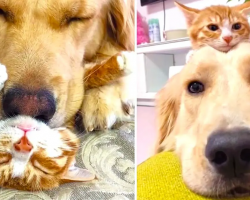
[
  {"x": 25, "y": 128},
  {"x": 23, "y": 145},
  {"x": 227, "y": 39}
]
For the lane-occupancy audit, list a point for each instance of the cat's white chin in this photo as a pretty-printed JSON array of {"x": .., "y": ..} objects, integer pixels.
[{"x": 225, "y": 48}]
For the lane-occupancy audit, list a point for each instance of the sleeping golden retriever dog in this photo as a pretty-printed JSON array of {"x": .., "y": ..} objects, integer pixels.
[
  {"x": 44, "y": 45},
  {"x": 204, "y": 116}
]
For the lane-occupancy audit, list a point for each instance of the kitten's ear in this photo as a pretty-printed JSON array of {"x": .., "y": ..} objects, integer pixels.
[
  {"x": 243, "y": 8},
  {"x": 190, "y": 13},
  {"x": 78, "y": 175}
]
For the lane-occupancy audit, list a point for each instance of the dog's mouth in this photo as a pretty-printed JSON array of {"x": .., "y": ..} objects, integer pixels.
[{"x": 238, "y": 192}]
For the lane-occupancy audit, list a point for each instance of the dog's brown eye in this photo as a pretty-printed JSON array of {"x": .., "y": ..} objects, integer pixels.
[
  {"x": 236, "y": 26},
  {"x": 213, "y": 27},
  {"x": 195, "y": 87}
]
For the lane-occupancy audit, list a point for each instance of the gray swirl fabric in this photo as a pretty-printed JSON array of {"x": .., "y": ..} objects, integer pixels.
[{"x": 110, "y": 155}]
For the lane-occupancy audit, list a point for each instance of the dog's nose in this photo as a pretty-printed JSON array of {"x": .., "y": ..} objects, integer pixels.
[
  {"x": 228, "y": 151},
  {"x": 39, "y": 104}
]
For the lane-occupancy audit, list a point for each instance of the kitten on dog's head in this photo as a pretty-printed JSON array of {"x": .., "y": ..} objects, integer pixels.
[
  {"x": 221, "y": 27},
  {"x": 34, "y": 157}
]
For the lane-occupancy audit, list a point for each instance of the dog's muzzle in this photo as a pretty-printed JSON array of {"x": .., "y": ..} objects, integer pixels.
[{"x": 39, "y": 104}]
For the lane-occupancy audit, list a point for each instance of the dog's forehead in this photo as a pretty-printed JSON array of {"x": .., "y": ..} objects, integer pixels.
[
  {"x": 36, "y": 7},
  {"x": 240, "y": 61},
  {"x": 68, "y": 4},
  {"x": 205, "y": 60}
]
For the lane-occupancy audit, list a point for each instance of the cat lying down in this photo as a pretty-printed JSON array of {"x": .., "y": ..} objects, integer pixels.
[{"x": 35, "y": 157}]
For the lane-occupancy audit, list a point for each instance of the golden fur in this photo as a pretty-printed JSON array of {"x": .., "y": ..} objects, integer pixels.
[
  {"x": 198, "y": 22},
  {"x": 186, "y": 120},
  {"x": 45, "y": 43}
]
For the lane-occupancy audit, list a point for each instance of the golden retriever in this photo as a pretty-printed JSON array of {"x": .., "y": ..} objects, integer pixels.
[
  {"x": 204, "y": 117},
  {"x": 45, "y": 46}
]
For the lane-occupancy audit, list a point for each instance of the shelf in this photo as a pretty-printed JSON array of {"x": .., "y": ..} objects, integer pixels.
[
  {"x": 147, "y": 99},
  {"x": 150, "y": 95},
  {"x": 146, "y": 102},
  {"x": 170, "y": 46}
]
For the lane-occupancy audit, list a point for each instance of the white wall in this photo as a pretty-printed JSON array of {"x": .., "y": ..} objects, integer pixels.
[{"x": 174, "y": 18}]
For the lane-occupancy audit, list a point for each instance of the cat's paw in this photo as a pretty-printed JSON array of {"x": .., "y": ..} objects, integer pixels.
[
  {"x": 127, "y": 61},
  {"x": 189, "y": 55},
  {"x": 3, "y": 76}
]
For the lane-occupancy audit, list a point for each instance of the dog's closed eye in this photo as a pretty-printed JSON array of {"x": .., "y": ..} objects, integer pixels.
[
  {"x": 7, "y": 15},
  {"x": 70, "y": 20}
]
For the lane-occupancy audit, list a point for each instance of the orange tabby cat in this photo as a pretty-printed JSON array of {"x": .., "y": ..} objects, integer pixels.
[
  {"x": 34, "y": 157},
  {"x": 221, "y": 27}
]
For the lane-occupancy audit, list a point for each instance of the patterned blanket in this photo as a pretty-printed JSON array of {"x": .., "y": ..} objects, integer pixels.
[{"x": 110, "y": 155}]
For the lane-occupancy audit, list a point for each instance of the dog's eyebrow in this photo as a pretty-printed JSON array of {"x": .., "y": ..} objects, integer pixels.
[
  {"x": 64, "y": 10},
  {"x": 201, "y": 70}
]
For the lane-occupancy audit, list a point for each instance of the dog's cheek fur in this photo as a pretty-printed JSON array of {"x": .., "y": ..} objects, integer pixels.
[{"x": 167, "y": 107}]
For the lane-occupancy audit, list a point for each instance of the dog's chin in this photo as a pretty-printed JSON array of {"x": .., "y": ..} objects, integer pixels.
[
  {"x": 237, "y": 192},
  {"x": 219, "y": 187}
]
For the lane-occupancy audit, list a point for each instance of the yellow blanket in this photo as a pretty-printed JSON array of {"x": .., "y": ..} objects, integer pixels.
[{"x": 159, "y": 178}]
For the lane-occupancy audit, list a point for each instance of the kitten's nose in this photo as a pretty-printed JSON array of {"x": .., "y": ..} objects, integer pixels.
[
  {"x": 227, "y": 39},
  {"x": 25, "y": 128},
  {"x": 23, "y": 145}
]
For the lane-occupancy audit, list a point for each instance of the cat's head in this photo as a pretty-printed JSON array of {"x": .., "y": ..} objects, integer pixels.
[
  {"x": 33, "y": 156},
  {"x": 220, "y": 27}
]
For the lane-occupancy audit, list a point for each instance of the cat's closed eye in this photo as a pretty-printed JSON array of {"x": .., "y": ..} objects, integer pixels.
[{"x": 5, "y": 158}]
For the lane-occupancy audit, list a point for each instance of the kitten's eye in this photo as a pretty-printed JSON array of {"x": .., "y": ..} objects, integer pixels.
[
  {"x": 236, "y": 26},
  {"x": 213, "y": 27},
  {"x": 195, "y": 87}
]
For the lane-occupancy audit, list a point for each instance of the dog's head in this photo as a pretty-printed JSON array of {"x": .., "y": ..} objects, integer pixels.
[
  {"x": 204, "y": 116},
  {"x": 43, "y": 45}
]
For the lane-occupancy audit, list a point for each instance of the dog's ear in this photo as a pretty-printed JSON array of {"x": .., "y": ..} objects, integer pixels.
[
  {"x": 121, "y": 22},
  {"x": 167, "y": 108}
]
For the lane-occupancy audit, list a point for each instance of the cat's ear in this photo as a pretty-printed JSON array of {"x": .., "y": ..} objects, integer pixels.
[
  {"x": 189, "y": 13},
  {"x": 243, "y": 8},
  {"x": 77, "y": 174}
]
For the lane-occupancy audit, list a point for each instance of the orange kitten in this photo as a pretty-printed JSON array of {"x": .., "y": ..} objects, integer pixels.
[
  {"x": 221, "y": 27},
  {"x": 34, "y": 157}
]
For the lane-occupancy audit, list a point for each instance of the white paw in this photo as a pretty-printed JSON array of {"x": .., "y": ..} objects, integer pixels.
[
  {"x": 111, "y": 119},
  {"x": 127, "y": 61},
  {"x": 189, "y": 55},
  {"x": 3, "y": 76}
]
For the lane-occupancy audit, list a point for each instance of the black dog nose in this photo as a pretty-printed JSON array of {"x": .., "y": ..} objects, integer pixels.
[
  {"x": 39, "y": 104},
  {"x": 229, "y": 151}
]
